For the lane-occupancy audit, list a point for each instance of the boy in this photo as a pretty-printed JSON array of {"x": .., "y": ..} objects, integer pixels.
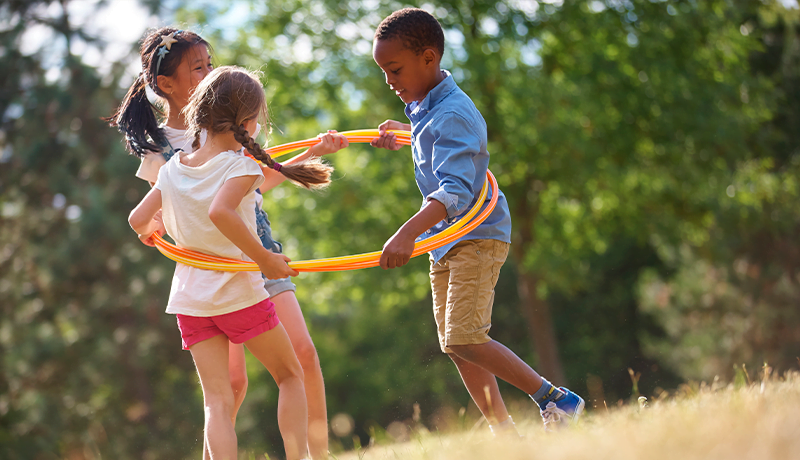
[{"x": 450, "y": 158}]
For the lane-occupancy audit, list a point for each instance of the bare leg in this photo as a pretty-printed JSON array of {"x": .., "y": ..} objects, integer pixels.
[
  {"x": 500, "y": 361},
  {"x": 291, "y": 316},
  {"x": 476, "y": 379},
  {"x": 211, "y": 359},
  {"x": 274, "y": 349},
  {"x": 238, "y": 377}
]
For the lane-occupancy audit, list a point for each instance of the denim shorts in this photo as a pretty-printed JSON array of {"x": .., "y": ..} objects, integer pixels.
[{"x": 273, "y": 287}]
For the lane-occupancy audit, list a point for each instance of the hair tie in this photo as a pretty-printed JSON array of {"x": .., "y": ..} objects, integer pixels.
[{"x": 277, "y": 166}]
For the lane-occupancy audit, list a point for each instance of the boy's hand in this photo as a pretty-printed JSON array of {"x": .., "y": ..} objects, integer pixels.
[
  {"x": 389, "y": 140},
  {"x": 397, "y": 251},
  {"x": 274, "y": 266},
  {"x": 330, "y": 142}
]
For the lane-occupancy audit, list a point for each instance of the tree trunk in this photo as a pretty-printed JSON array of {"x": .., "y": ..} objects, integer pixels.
[
  {"x": 535, "y": 310},
  {"x": 540, "y": 325}
]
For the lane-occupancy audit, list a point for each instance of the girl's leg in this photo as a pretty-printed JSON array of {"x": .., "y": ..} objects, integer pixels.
[
  {"x": 211, "y": 359},
  {"x": 238, "y": 377},
  {"x": 291, "y": 316},
  {"x": 275, "y": 352},
  {"x": 238, "y": 374}
]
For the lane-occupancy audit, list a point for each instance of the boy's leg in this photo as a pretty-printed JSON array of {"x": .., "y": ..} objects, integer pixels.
[
  {"x": 498, "y": 360},
  {"x": 237, "y": 369},
  {"x": 291, "y": 316},
  {"x": 471, "y": 269},
  {"x": 477, "y": 380},
  {"x": 274, "y": 349},
  {"x": 211, "y": 359}
]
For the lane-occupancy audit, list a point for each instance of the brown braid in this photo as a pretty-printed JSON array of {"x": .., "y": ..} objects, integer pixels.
[
  {"x": 311, "y": 173},
  {"x": 228, "y": 98}
]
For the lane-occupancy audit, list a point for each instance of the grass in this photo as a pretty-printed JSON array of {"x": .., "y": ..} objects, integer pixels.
[{"x": 747, "y": 421}]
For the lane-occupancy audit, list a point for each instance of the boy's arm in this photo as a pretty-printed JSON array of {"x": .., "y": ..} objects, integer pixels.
[
  {"x": 145, "y": 219},
  {"x": 452, "y": 163},
  {"x": 452, "y": 160},
  {"x": 397, "y": 251},
  {"x": 330, "y": 142},
  {"x": 222, "y": 213}
]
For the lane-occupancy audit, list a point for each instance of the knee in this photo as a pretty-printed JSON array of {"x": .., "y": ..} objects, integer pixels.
[
  {"x": 239, "y": 382},
  {"x": 218, "y": 401},
  {"x": 464, "y": 352},
  {"x": 307, "y": 355}
]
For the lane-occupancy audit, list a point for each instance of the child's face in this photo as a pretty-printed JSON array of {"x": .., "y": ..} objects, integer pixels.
[
  {"x": 194, "y": 66},
  {"x": 411, "y": 76}
]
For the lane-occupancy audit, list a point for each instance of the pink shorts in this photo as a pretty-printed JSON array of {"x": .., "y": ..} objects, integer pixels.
[{"x": 239, "y": 326}]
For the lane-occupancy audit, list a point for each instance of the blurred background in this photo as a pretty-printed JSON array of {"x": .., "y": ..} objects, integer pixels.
[{"x": 649, "y": 149}]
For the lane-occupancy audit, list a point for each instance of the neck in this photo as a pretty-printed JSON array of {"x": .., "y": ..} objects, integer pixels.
[
  {"x": 175, "y": 117},
  {"x": 437, "y": 78},
  {"x": 221, "y": 142},
  {"x": 215, "y": 144}
]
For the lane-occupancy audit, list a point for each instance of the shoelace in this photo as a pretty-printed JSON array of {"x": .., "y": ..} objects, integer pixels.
[{"x": 553, "y": 415}]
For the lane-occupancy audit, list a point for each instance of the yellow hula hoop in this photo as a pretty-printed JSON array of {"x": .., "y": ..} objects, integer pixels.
[{"x": 352, "y": 262}]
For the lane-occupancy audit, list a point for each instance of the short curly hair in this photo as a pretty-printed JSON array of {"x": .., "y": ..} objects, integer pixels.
[{"x": 417, "y": 28}]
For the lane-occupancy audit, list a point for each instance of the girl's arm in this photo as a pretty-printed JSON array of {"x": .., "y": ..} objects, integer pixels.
[
  {"x": 145, "y": 219},
  {"x": 330, "y": 142},
  {"x": 223, "y": 214}
]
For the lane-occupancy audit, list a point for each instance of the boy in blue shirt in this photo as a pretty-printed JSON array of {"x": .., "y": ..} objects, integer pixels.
[{"x": 450, "y": 161}]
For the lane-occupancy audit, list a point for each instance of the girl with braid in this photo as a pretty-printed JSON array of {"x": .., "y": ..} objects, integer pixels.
[
  {"x": 173, "y": 63},
  {"x": 207, "y": 201}
]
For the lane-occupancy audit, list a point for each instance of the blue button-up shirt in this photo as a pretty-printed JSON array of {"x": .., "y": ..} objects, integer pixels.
[{"x": 448, "y": 136}]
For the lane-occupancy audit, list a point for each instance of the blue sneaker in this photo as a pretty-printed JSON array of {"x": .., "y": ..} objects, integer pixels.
[{"x": 563, "y": 412}]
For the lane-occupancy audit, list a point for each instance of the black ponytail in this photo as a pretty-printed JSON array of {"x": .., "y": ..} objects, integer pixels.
[{"x": 135, "y": 118}]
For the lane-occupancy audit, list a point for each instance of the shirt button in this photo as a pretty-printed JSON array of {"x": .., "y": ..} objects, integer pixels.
[{"x": 428, "y": 231}]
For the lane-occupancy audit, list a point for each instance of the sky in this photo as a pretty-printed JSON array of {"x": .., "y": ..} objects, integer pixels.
[{"x": 119, "y": 24}]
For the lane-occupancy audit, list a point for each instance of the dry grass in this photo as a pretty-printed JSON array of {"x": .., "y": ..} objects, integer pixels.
[{"x": 759, "y": 421}]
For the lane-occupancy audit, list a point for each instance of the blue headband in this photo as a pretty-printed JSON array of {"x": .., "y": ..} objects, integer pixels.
[{"x": 164, "y": 48}]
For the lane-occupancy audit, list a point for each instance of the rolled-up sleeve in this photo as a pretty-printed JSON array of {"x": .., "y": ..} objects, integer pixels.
[{"x": 454, "y": 146}]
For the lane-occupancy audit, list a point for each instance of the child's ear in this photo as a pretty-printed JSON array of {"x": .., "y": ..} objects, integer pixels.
[
  {"x": 430, "y": 56},
  {"x": 164, "y": 84}
]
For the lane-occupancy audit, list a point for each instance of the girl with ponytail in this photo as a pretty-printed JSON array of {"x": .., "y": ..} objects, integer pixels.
[
  {"x": 174, "y": 62},
  {"x": 207, "y": 200}
]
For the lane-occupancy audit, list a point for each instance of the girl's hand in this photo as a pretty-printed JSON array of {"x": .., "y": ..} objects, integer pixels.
[
  {"x": 330, "y": 142},
  {"x": 274, "y": 266},
  {"x": 158, "y": 224},
  {"x": 389, "y": 140}
]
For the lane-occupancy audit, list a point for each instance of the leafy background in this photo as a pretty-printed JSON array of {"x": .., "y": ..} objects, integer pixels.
[{"x": 649, "y": 150}]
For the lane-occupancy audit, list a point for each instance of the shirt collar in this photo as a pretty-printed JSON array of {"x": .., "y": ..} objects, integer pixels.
[{"x": 434, "y": 96}]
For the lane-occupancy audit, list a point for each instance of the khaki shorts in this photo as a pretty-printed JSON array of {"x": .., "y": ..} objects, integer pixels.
[{"x": 463, "y": 284}]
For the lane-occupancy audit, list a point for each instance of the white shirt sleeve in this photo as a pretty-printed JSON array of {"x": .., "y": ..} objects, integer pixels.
[
  {"x": 151, "y": 163},
  {"x": 246, "y": 166}
]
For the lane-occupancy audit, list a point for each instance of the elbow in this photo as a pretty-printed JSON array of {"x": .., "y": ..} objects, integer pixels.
[
  {"x": 135, "y": 221},
  {"x": 216, "y": 214}
]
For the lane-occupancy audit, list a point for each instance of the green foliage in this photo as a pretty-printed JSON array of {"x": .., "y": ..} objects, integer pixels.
[{"x": 648, "y": 149}]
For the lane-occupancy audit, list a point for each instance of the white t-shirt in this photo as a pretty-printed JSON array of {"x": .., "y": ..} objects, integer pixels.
[
  {"x": 187, "y": 193},
  {"x": 153, "y": 161}
]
